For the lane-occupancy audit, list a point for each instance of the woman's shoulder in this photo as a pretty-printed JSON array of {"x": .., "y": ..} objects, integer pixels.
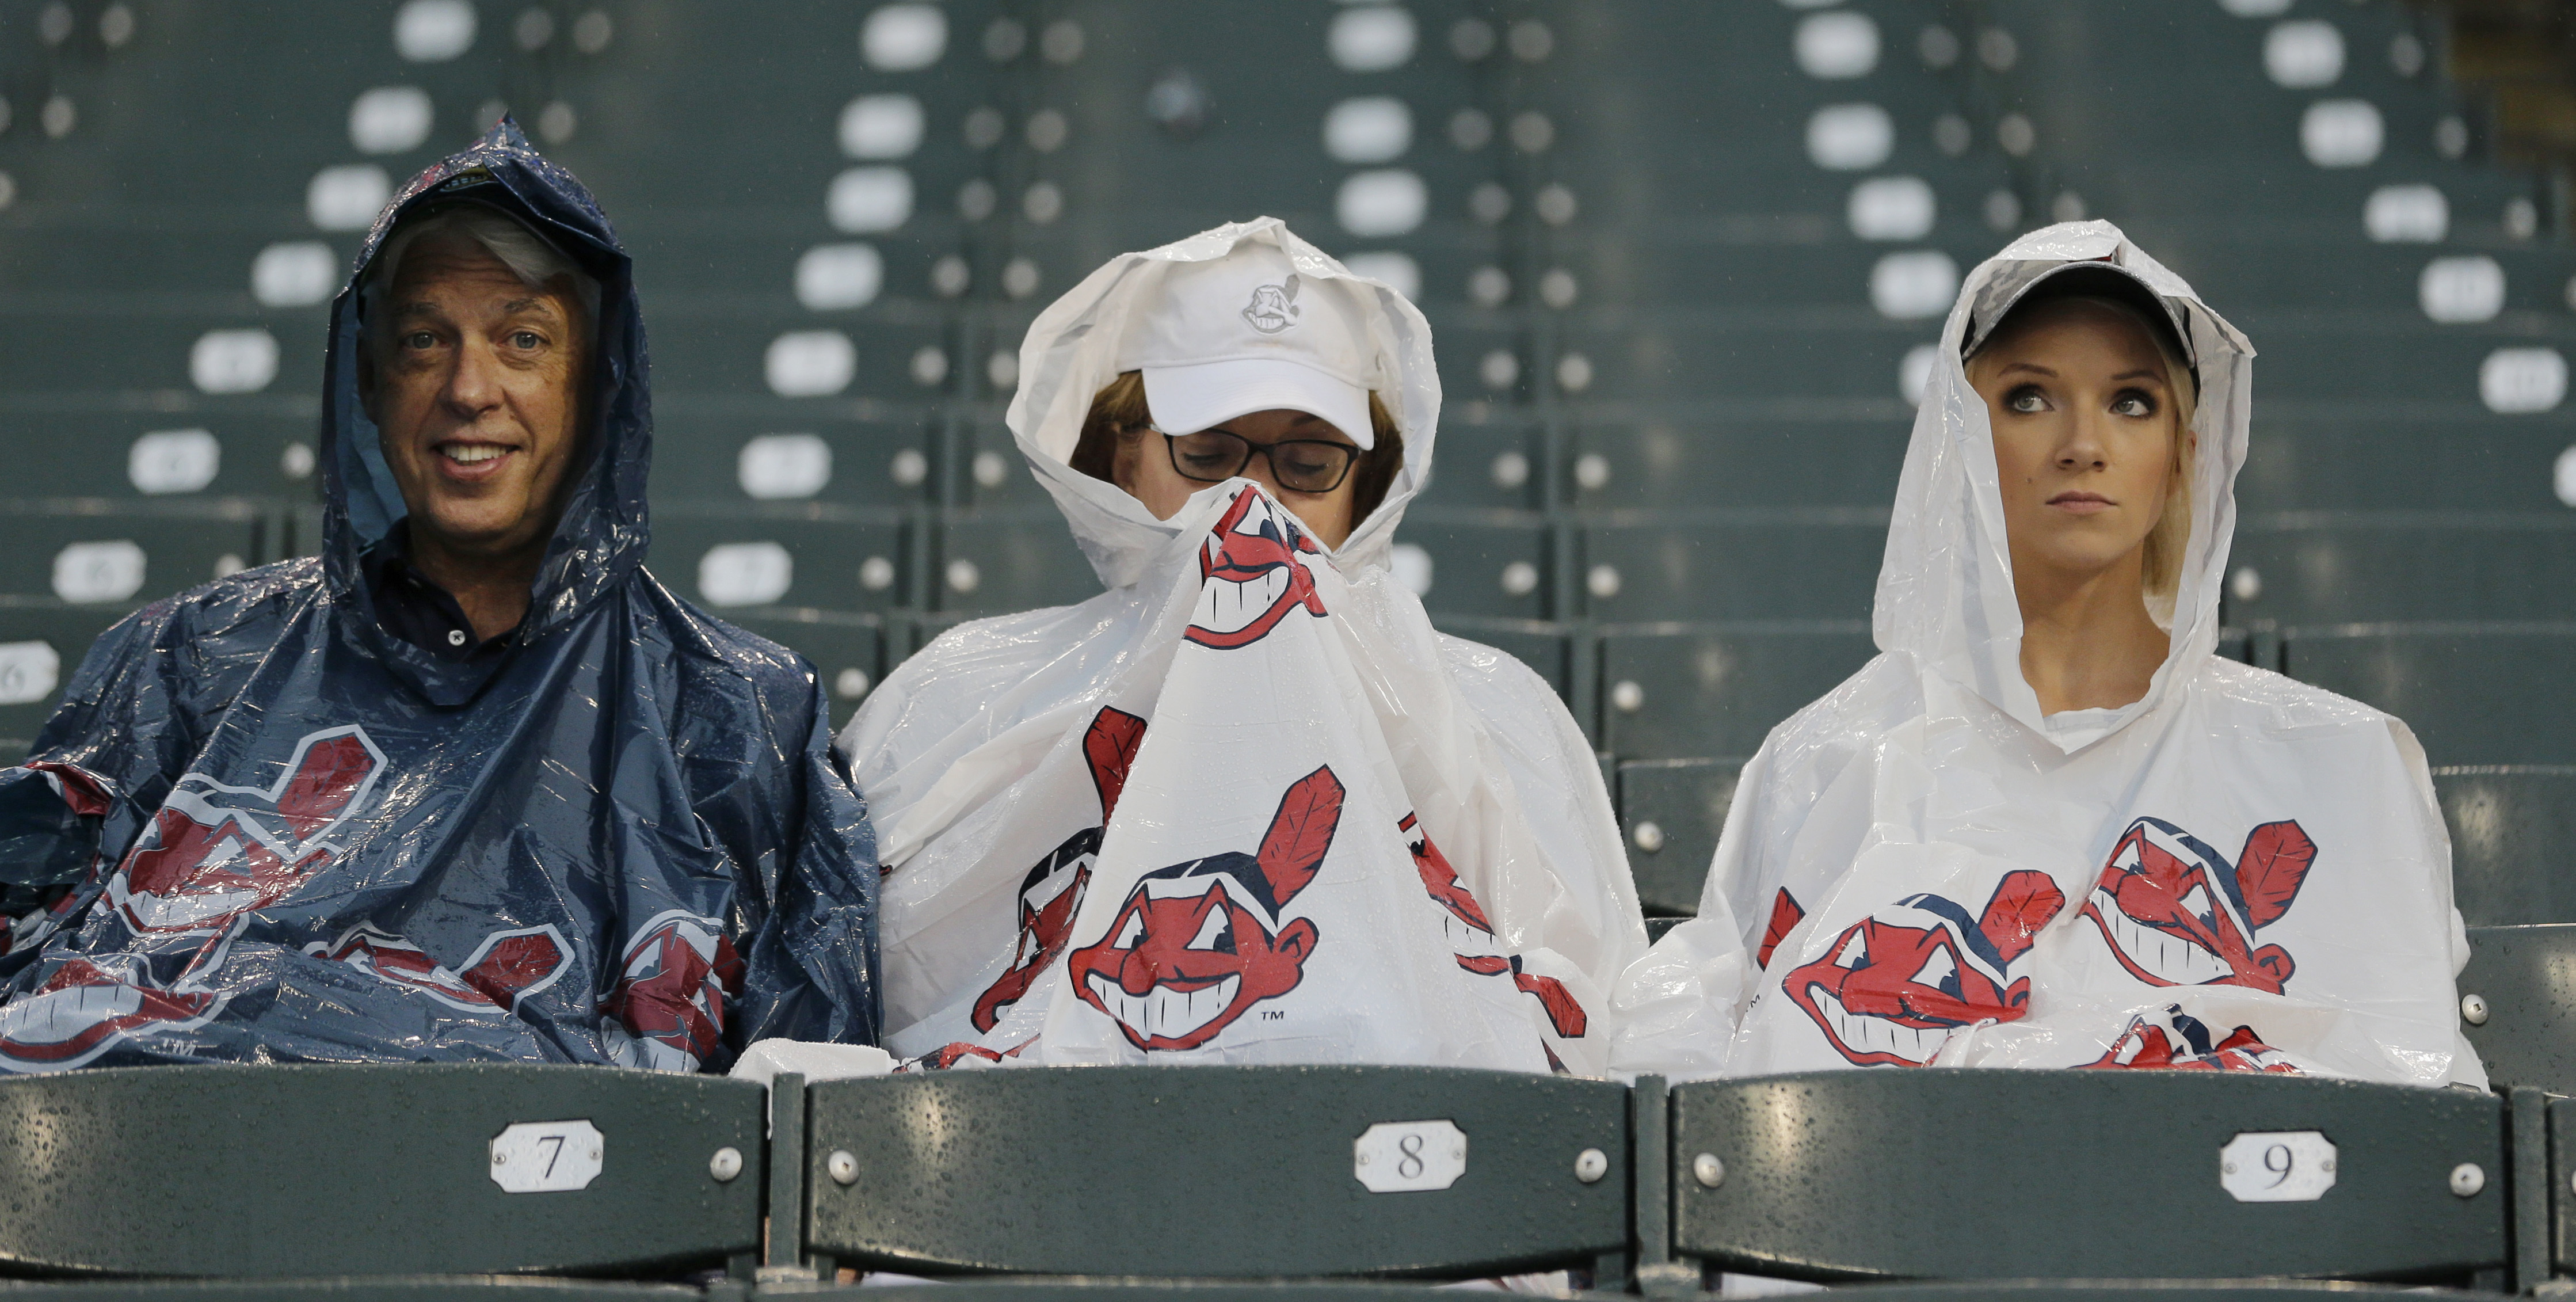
[{"x": 2278, "y": 700}]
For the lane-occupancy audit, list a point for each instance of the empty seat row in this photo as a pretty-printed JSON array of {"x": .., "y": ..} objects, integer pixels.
[{"x": 1279, "y": 1173}]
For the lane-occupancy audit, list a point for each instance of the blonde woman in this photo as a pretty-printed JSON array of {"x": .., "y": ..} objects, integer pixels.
[{"x": 2048, "y": 825}]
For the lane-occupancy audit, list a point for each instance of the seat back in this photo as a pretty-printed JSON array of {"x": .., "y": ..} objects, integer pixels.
[
  {"x": 376, "y": 1170},
  {"x": 1239, "y": 1172},
  {"x": 2510, "y": 825},
  {"x": 1960, "y": 1174},
  {"x": 2518, "y": 1004}
]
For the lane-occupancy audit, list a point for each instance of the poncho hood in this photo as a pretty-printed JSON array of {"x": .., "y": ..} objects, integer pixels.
[
  {"x": 1945, "y": 589},
  {"x": 1072, "y": 351},
  {"x": 603, "y": 533}
]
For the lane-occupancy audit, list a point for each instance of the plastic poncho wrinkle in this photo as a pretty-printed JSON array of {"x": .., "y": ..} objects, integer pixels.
[
  {"x": 1471, "y": 901},
  {"x": 2235, "y": 872},
  {"x": 261, "y": 828}
]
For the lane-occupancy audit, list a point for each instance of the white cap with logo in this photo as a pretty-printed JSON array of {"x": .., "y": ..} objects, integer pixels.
[{"x": 1245, "y": 333}]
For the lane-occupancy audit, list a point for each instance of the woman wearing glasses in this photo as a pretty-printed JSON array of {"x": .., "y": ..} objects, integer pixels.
[{"x": 1245, "y": 805}]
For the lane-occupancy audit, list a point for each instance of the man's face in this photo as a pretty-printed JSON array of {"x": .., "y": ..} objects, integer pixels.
[{"x": 477, "y": 397}]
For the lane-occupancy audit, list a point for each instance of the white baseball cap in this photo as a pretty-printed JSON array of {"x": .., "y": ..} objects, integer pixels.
[{"x": 1246, "y": 333}]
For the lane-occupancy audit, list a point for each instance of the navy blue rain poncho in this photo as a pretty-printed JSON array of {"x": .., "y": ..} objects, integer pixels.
[{"x": 263, "y": 828}]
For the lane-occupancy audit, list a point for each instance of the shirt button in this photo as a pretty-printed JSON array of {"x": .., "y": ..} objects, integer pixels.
[{"x": 456, "y": 637}]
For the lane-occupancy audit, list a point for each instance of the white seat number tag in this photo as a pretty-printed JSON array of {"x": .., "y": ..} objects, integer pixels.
[
  {"x": 1409, "y": 1156},
  {"x": 2277, "y": 1166},
  {"x": 547, "y": 1156}
]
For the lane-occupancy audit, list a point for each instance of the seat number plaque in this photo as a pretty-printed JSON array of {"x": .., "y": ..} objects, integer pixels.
[
  {"x": 2277, "y": 1166},
  {"x": 1409, "y": 1156},
  {"x": 547, "y": 1156}
]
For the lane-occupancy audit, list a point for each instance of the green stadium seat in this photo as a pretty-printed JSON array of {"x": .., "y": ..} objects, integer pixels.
[
  {"x": 2473, "y": 693},
  {"x": 95, "y": 552},
  {"x": 2324, "y": 462},
  {"x": 494, "y": 1170},
  {"x": 2516, "y": 1008},
  {"x": 815, "y": 555},
  {"x": 1804, "y": 455},
  {"x": 1494, "y": 564},
  {"x": 1499, "y": 463},
  {"x": 1672, "y": 691},
  {"x": 2510, "y": 825},
  {"x": 786, "y": 454},
  {"x": 2320, "y": 569},
  {"x": 1753, "y": 564},
  {"x": 42, "y": 643},
  {"x": 1672, "y": 811},
  {"x": 1003, "y": 560},
  {"x": 1218, "y": 1174},
  {"x": 1860, "y": 1175}
]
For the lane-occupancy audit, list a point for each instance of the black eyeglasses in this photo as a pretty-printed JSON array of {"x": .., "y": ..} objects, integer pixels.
[{"x": 1214, "y": 456}]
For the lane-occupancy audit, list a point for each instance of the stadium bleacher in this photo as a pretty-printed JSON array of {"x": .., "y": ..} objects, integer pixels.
[{"x": 1682, "y": 263}]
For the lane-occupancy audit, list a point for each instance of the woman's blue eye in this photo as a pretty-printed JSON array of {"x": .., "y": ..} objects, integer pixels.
[{"x": 2026, "y": 399}]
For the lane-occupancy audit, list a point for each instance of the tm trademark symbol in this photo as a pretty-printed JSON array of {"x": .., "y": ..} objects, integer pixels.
[{"x": 1272, "y": 1014}]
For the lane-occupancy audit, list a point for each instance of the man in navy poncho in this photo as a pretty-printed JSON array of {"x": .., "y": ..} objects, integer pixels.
[{"x": 472, "y": 784}]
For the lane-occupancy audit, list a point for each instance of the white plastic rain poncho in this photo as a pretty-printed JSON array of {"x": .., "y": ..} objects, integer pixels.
[
  {"x": 1246, "y": 805},
  {"x": 2235, "y": 872}
]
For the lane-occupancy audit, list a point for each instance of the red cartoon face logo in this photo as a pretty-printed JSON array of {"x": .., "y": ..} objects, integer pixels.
[
  {"x": 1251, "y": 574},
  {"x": 1471, "y": 937},
  {"x": 85, "y": 1007},
  {"x": 1199, "y": 943},
  {"x": 507, "y": 967},
  {"x": 214, "y": 852},
  {"x": 668, "y": 1007},
  {"x": 2177, "y": 1041},
  {"x": 1890, "y": 991},
  {"x": 1052, "y": 892},
  {"x": 2176, "y": 913}
]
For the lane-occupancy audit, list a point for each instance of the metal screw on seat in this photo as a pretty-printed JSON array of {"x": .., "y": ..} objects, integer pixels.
[
  {"x": 726, "y": 1164},
  {"x": 1706, "y": 1169},
  {"x": 2473, "y": 1009},
  {"x": 1590, "y": 1165},
  {"x": 1627, "y": 697},
  {"x": 843, "y": 1166},
  {"x": 2467, "y": 1179},
  {"x": 1648, "y": 837}
]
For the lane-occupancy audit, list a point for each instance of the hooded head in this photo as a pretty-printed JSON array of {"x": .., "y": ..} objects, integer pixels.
[
  {"x": 1243, "y": 318},
  {"x": 600, "y": 536},
  {"x": 1945, "y": 588}
]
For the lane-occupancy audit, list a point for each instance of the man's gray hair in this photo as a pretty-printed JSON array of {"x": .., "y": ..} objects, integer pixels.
[{"x": 529, "y": 256}]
